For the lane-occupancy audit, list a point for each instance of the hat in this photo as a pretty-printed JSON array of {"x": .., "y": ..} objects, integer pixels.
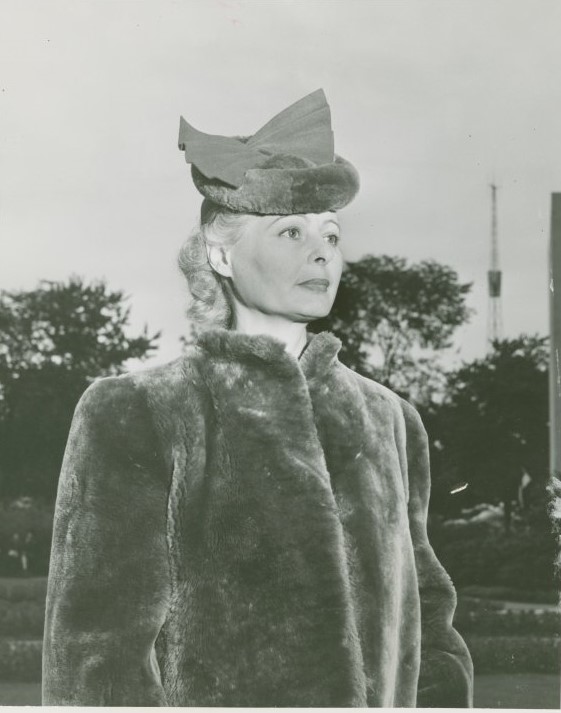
[{"x": 288, "y": 166}]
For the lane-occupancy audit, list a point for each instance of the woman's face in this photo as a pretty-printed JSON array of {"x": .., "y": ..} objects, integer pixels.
[{"x": 288, "y": 266}]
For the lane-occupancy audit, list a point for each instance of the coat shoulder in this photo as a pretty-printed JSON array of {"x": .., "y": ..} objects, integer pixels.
[
  {"x": 112, "y": 416},
  {"x": 369, "y": 387},
  {"x": 159, "y": 382},
  {"x": 125, "y": 409},
  {"x": 171, "y": 373},
  {"x": 384, "y": 398}
]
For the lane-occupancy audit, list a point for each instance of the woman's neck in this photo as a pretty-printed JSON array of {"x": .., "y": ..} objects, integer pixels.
[{"x": 293, "y": 334}]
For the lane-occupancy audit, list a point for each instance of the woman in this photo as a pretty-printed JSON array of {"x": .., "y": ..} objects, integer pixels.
[{"x": 246, "y": 526}]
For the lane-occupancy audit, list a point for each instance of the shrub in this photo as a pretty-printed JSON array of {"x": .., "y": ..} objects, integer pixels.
[
  {"x": 510, "y": 594},
  {"x": 514, "y": 654},
  {"x": 25, "y": 618},
  {"x": 20, "y": 660},
  {"x": 509, "y": 622},
  {"x": 483, "y": 555},
  {"x": 16, "y": 589}
]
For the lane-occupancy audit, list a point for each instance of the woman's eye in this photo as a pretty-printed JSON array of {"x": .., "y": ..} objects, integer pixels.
[
  {"x": 333, "y": 239},
  {"x": 292, "y": 233}
]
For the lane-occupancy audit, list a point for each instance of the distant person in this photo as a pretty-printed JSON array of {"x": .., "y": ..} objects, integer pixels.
[
  {"x": 28, "y": 552},
  {"x": 246, "y": 526}
]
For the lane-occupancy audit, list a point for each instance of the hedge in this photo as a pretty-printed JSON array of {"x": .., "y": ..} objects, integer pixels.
[
  {"x": 509, "y": 622},
  {"x": 510, "y": 594},
  {"x": 16, "y": 589},
  {"x": 20, "y": 660},
  {"x": 25, "y": 618},
  {"x": 481, "y": 555},
  {"x": 514, "y": 654}
]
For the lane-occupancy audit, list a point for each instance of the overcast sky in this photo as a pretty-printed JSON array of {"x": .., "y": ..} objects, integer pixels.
[{"x": 430, "y": 99}]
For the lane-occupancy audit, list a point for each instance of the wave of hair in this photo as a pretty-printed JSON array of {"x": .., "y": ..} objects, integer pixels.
[{"x": 210, "y": 299}]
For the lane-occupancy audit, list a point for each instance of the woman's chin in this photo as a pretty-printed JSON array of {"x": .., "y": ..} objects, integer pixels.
[{"x": 310, "y": 315}]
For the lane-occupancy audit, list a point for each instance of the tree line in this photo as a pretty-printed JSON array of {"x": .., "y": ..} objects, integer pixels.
[{"x": 54, "y": 341}]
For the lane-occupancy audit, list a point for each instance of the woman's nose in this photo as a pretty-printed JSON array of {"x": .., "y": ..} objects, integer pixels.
[{"x": 322, "y": 252}]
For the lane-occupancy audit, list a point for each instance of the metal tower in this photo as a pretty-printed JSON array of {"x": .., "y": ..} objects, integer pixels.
[{"x": 494, "y": 316}]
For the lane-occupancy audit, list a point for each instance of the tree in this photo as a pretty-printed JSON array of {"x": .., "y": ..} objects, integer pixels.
[
  {"x": 494, "y": 423},
  {"x": 54, "y": 340},
  {"x": 392, "y": 319}
]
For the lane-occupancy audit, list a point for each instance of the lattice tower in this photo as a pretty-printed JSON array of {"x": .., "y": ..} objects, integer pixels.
[{"x": 494, "y": 316}]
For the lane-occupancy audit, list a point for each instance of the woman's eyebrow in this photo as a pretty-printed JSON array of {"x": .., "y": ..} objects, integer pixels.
[
  {"x": 282, "y": 217},
  {"x": 302, "y": 215}
]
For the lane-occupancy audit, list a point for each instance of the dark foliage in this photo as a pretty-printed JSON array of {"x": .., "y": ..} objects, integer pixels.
[
  {"x": 392, "y": 317},
  {"x": 509, "y": 622},
  {"x": 477, "y": 554},
  {"x": 493, "y": 427},
  {"x": 514, "y": 654},
  {"x": 54, "y": 340}
]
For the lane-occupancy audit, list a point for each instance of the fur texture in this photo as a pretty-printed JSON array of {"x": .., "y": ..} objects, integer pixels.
[
  {"x": 285, "y": 185},
  {"x": 240, "y": 528}
]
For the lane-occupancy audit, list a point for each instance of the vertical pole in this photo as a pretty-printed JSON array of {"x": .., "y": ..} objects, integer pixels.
[
  {"x": 555, "y": 373},
  {"x": 555, "y": 337},
  {"x": 494, "y": 234},
  {"x": 494, "y": 317}
]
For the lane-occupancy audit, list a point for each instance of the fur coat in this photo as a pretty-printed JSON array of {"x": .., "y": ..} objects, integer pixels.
[{"x": 243, "y": 528}]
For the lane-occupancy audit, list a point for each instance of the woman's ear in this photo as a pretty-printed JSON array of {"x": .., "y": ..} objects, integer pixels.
[{"x": 219, "y": 260}]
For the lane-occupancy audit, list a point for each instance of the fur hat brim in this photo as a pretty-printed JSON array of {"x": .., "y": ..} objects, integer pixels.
[{"x": 285, "y": 185}]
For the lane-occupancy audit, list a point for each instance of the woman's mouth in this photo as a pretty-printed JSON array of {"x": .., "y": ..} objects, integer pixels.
[{"x": 316, "y": 285}]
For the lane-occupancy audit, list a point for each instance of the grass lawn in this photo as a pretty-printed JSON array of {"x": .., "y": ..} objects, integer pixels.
[
  {"x": 523, "y": 690},
  {"x": 20, "y": 694}
]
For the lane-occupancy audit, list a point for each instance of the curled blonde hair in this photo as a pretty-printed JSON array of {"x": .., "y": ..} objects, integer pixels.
[{"x": 211, "y": 304}]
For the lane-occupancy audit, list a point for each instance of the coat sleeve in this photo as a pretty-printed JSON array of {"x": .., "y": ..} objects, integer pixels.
[
  {"x": 109, "y": 578},
  {"x": 446, "y": 676}
]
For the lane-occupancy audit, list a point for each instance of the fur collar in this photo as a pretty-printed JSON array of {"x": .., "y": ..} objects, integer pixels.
[{"x": 317, "y": 360}]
